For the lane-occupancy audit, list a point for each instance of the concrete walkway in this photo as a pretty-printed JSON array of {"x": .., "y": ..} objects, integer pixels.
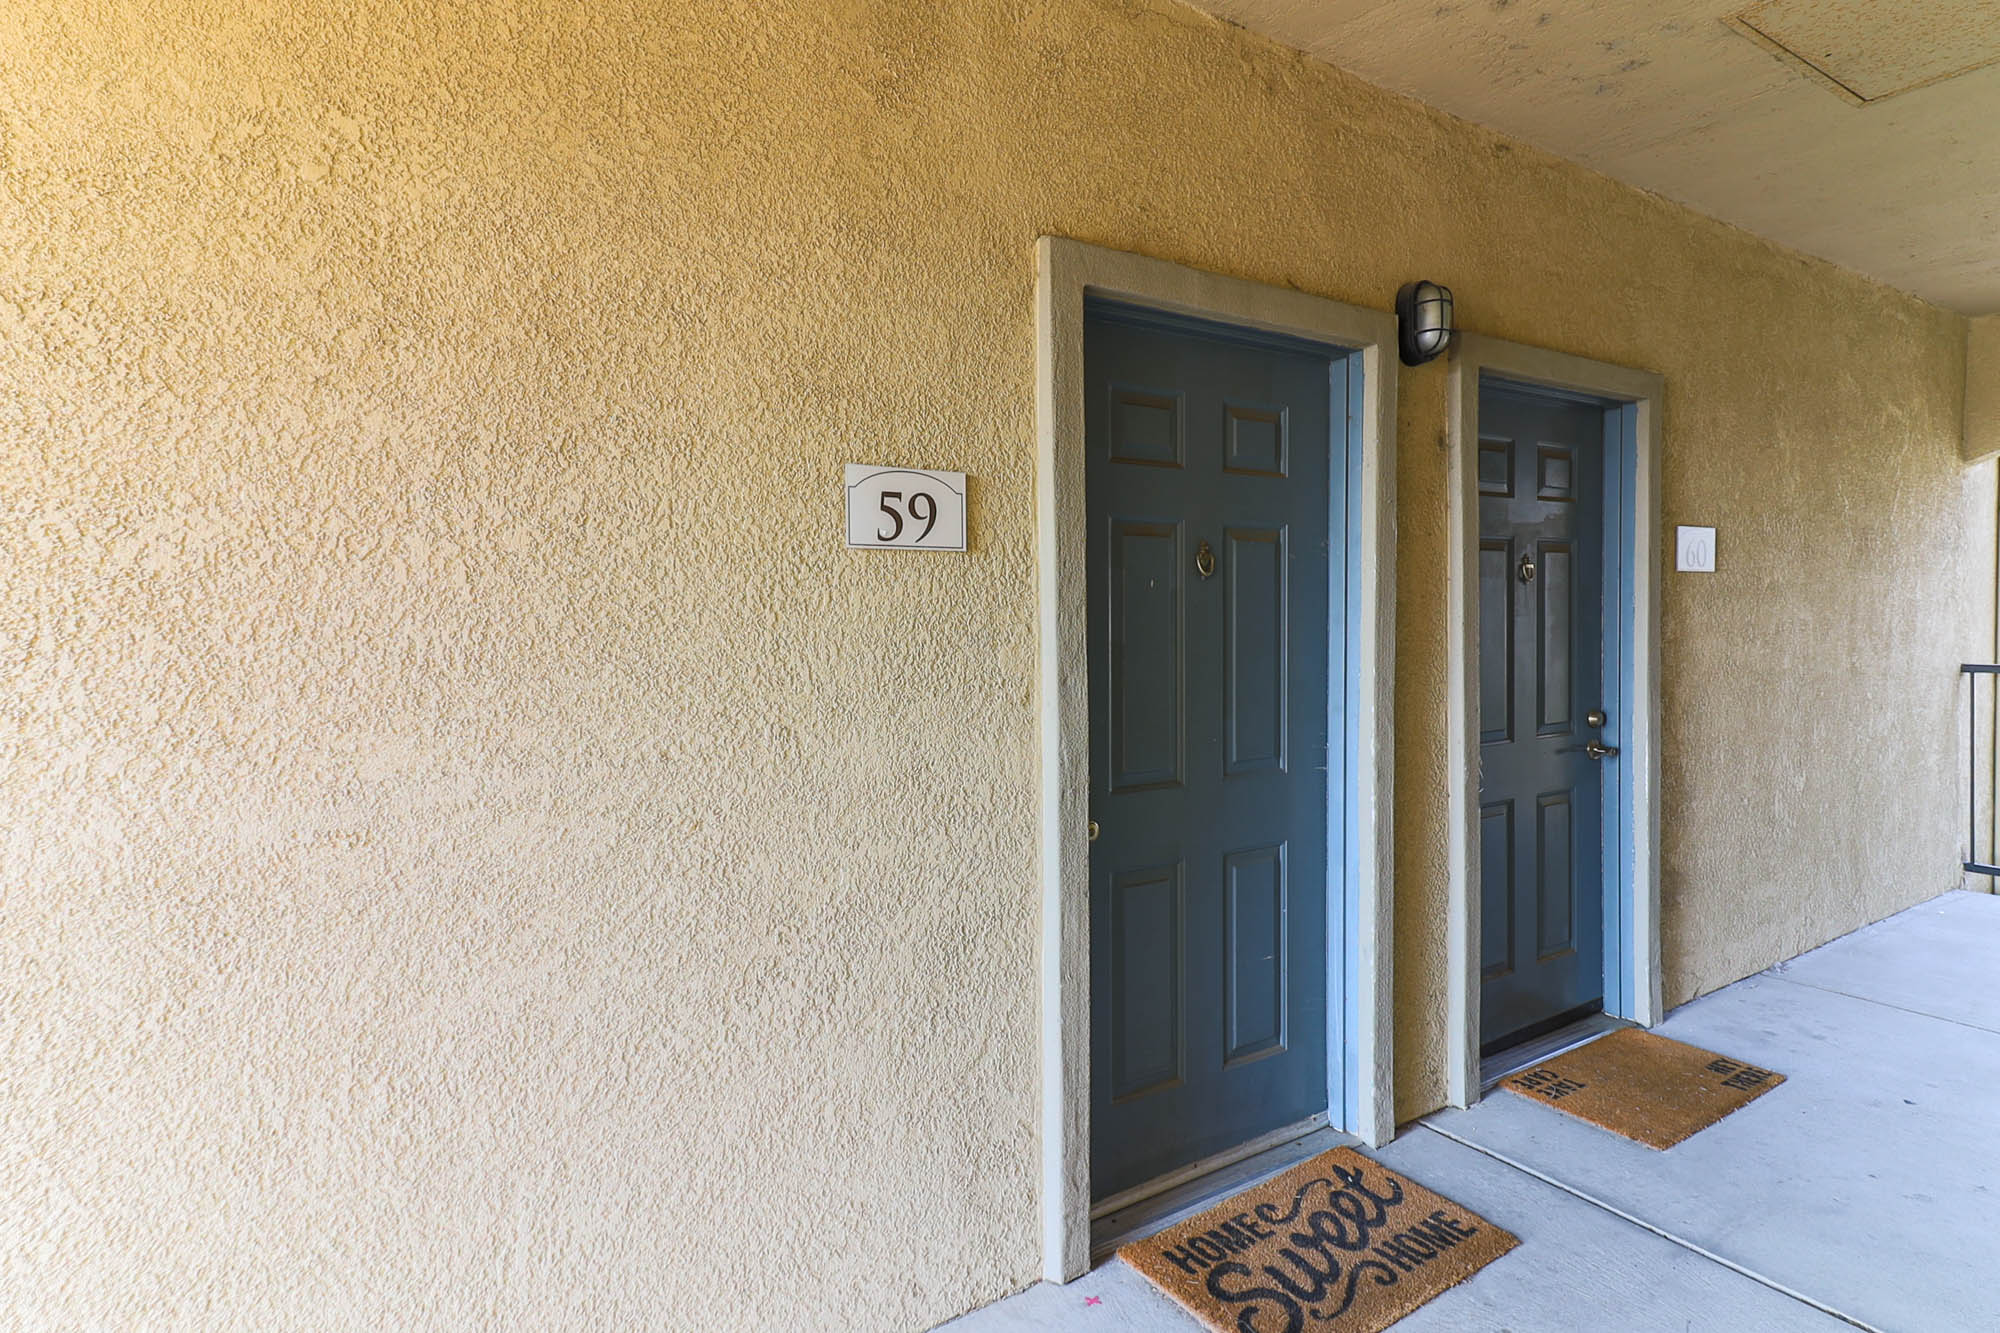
[{"x": 1863, "y": 1192}]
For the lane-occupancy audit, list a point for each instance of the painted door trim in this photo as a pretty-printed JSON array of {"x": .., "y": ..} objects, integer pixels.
[
  {"x": 1632, "y": 401},
  {"x": 1065, "y": 271}
]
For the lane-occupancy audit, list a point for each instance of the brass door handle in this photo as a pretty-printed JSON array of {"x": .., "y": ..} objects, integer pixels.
[{"x": 1597, "y": 749}]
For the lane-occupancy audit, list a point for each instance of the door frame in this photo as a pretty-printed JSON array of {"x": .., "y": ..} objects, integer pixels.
[
  {"x": 1358, "y": 1028},
  {"x": 1631, "y": 400}
]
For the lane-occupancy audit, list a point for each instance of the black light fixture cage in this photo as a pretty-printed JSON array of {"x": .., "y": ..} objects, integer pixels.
[{"x": 1424, "y": 326}]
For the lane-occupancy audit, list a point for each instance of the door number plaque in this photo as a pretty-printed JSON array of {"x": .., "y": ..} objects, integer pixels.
[
  {"x": 1694, "y": 550},
  {"x": 904, "y": 509}
]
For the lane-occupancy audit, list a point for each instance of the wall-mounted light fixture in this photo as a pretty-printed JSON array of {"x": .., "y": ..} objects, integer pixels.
[{"x": 1423, "y": 321}]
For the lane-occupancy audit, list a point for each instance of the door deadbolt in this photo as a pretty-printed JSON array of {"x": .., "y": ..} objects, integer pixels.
[
  {"x": 1595, "y": 718},
  {"x": 1526, "y": 570},
  {"x": 1204, "y": 560}
]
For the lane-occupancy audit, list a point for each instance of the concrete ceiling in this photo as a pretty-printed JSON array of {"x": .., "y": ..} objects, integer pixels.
[{"x": 1866, "y": 132}]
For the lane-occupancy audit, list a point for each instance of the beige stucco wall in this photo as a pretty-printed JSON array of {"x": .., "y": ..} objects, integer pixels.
[
  {"x": 1982, "y": 388},
  {"x": 479, "y": 853}
]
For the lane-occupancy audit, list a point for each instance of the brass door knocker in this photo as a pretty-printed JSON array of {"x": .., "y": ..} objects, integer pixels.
[{"x": 1204, "y": 560}]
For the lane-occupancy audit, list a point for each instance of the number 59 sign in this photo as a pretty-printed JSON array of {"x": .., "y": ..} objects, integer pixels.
[{"x": 904, "y": 509}]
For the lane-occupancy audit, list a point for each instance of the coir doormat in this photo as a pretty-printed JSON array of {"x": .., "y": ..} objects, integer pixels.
[
  {"x": 1338, "y": 1242},
  {"x": 1649, "y": 1088}
]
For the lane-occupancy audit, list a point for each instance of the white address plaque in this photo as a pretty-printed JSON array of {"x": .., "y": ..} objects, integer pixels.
[
  {"x": 1694, "y": 550},
  {"x": 905, "y": 509}
]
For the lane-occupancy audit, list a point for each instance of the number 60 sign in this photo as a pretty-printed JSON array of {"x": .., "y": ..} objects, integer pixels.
[{"x": 905, "y": 509}]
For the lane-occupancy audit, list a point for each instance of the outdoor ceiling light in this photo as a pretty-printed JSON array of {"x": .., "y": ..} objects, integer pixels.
[{"x": 1423, "y": 321}]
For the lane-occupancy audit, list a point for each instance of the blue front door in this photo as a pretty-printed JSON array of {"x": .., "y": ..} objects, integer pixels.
[
  {"x": 1211, "y": 577},
  {"x": 1541, "y": 661}
]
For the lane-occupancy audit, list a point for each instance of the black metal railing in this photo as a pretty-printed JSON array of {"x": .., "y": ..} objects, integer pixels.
[{"x": 1972, "y": 672}]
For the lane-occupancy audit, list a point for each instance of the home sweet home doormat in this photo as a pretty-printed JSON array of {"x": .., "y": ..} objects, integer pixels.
[{"x": 1338, "y": 1243}]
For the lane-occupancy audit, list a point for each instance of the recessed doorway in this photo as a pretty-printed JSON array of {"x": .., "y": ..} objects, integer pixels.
[
  {"x": 1217, "y": 587},
  {"x": 1554, "y": 894}
]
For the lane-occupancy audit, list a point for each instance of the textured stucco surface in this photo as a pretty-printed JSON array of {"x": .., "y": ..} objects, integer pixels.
[
  {"x": 1732, "y": 107},
  {"x": 1982, "y": 388},
  {"x": 478, "y": 853}
]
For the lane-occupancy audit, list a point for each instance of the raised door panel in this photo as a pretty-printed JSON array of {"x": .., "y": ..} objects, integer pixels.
[
  {"x": 1148, "y": 977},
  {"x": 1496, "y": 467},
  {"x": 1257, "y": 440},
  {"x": 1147, "y": 621},
  {"x": 1496, "y": 640},
  {"x": 1496, "y": 899},
  {"x": 1555, "y": 586},
  {"x": 1147, "y": 426},
  {"x": 1555, "y": 880},
  {"x": 1553, "y": 468},
  {"x": 1254, "y": 657},
  {"x": 1256, "y": 952}
]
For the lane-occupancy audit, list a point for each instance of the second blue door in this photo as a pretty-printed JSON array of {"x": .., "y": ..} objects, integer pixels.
[
  {"x": 1541, "y": 663},
  {"x": 1210, "y": 478}
]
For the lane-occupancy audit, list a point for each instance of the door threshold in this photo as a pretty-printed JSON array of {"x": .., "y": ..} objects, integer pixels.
[
  {"x": 1165, "y": 1200},
  {"x": 1504, "y": 1063},
  {"x": 1248, "y": 1148}
]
